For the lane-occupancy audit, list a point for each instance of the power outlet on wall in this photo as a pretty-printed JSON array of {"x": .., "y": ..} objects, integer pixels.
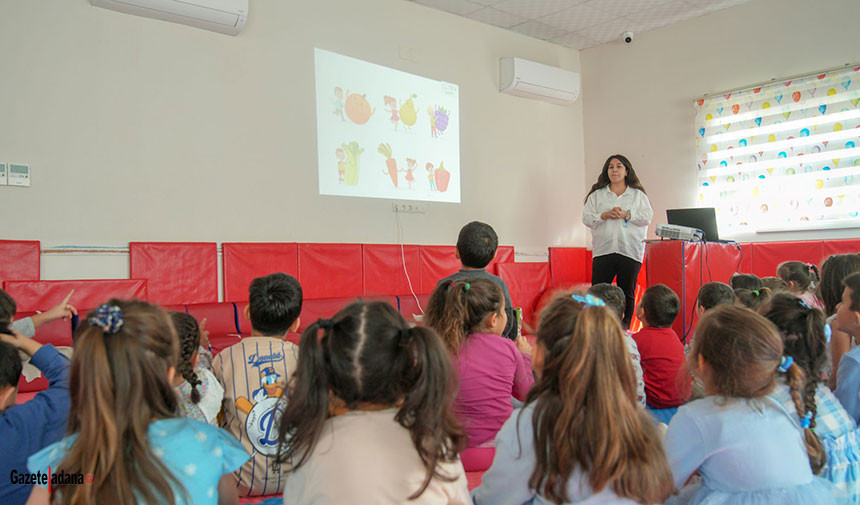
[{"x": 409, "y": 208}]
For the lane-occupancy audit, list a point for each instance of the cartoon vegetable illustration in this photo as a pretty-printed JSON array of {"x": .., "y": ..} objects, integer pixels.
[
  {"x": 408, "y": 113},
  {"x": 443, "y": 177},
  {"x": 390, "y": 163},
  {"x": 441, "y": 119},
  {"x": 353, "y": 152},
  {"x": 358, "y": 108}
]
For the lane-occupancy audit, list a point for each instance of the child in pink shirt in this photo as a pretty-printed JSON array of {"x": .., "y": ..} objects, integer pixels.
[{"x": 470, "y": 317}]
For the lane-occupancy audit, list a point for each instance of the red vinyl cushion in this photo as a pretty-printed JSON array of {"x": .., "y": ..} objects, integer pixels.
[
  {"x": 322, "y": 308},
  {"x": 220, "y": 317},
  {"x": 178, "y": 272},
  {"x": 20, "y": 260},
  {"x": 41, "y": 295},
  {"x": 244, "y": 262},
  {"x": 58, "y": 333},
  {"x": 437, "y": 262},
  {"x": 526, "y": 283},
  {"x": 389, "y": 299},
  {"x": 568, "y": 266},
  {"x": 768, "y": 255},
  {"x": 384, "y": 268},
  {"x": 831, "y": 247},
  {"x": 174, "y": 308},
  {"x": 330, "y": 270},
  {"x": 504, "y": 254},
  {"x": 409, "y": 305}
]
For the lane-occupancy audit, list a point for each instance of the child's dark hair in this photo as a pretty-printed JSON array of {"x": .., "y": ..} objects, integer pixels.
[
  {"x": 745, "y": 281},
  {"x": 715, "y": 293},
  {"x": 753, "y": 299},
  {"x": 118, "y": 385},
  {"x": 853, "y": 283},
  {"x": 10, "y": 366},
  {"x": 8, "y": 308},
  {"x": 274, "y": 303},
  {"x": 660, "y": 305},
  {"x": 588, "y": 378},
  {"x": 612, "y": 295},
  {"x": 803, "y": 275},
  {"x": 802, "y": 330},
  {"x": 457, "y": 309},
  {"x": 368, "y": 353},
  {"x": 189, "y": 339},
  {"x": 774, "y": 284},
  {"x": 833, "y": 271},
  {"x": 743, "y": 350},
  {"x": 477, "y": 244}
]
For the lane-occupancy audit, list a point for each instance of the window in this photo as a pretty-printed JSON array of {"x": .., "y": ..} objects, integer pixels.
[{"x": 782, "y": 156}]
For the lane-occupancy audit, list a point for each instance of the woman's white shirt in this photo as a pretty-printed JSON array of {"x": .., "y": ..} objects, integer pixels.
[{"x": 618, "y": 235}]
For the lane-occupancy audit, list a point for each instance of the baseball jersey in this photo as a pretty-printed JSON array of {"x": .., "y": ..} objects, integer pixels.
[{"x": 255, "y": 373}]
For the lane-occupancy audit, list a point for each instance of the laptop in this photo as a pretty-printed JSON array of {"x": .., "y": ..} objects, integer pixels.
[{"x": 704, "y": 219}]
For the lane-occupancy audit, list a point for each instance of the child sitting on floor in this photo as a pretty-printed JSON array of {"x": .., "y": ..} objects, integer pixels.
[
  {"x": 801, "y": 280},
  {"x": 199, "y": 392}
]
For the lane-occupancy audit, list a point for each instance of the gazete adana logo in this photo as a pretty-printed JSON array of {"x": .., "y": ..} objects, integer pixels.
[{"x": 51, "y": 479}]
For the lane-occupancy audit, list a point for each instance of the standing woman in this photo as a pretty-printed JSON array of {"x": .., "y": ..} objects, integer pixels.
[{"x": 618, "y": 213}]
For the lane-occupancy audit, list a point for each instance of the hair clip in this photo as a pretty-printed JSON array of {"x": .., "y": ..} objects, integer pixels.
[
  {"x": 785, "y": 364},
  {"x": 756, "y": 292},
  {"x": 802, "y": 303},
  {"x": 828, "y": 332},
  {"x": 108, "y": 318},
  {"x": 466, "y": 287},
  {"x": 806, "y": 421},
  {"x": 325, "y": 324},
  {"x": 589, "y": 300}
]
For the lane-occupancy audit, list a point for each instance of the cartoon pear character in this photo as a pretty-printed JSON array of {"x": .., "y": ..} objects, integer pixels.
[{"x": 408, "y": 113}]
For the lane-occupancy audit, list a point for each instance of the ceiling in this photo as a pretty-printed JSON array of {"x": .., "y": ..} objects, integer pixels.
[{"x": 580, "y": 24}]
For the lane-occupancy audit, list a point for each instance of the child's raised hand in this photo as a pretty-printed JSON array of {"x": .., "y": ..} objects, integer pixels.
[
  {"x": 64, "y": 309},
  {"x": 21, "y": 342},
  {"x": 523, "y": 345},
  {"x": 204, "y": 334}
]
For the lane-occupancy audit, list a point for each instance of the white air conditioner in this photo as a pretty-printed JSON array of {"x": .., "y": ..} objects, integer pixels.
[
  {"x": 223, "y": 16},
  {"x": 534, "y": 80}
]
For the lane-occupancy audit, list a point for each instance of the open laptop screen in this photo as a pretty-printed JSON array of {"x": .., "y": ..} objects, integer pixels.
[{"x": 704, "y": 219}]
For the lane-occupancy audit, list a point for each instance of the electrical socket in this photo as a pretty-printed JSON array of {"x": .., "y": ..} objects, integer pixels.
[{"x": 409, "y": 208}]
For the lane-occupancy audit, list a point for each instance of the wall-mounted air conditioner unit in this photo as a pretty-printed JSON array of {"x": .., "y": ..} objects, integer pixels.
[
  {"x": 223, "y": 16},
  {"x": 534, "y": 80}
]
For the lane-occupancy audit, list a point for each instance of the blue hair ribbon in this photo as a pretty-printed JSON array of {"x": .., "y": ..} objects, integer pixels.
[
  {"x": 785, "y": 364},
  {"x": 828, "y": 332},
  {"x": 803, "y": 303},
  {"x": 806, "y": 421},
  {"x": 589, "y": 300},
  {"x": 108, "y": 318}
]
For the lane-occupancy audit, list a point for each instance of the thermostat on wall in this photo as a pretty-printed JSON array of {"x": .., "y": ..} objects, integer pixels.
[
  {"x": 19, "y": 175},
  {"x": 2, "y": 174}
]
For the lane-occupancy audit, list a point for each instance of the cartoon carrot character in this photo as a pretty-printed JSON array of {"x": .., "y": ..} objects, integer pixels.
[{"x": 390, "y": 163}]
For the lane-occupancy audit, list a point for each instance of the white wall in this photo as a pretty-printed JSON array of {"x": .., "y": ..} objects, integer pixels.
[
  {"x": 137, "y": 129},
  {"x": 638, "y": 98}
]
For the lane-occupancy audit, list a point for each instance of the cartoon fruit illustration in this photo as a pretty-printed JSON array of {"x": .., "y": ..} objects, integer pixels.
[
  {"x": 443, "y": 177},
  {"x": 408, "y": 113},
  {"x": 353, "y": 152},
  {"x": 390, "y": 163},
  {"x": 358, "y": 108},
  {"x": 441, "y": 117}
]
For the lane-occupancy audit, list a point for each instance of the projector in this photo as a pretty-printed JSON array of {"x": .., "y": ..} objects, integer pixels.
[{"x": 676, "y": 232}]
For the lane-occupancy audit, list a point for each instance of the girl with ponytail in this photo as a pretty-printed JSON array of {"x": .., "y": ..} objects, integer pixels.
[
  {"x": 367, "y": 415},
  {"x": 802, "y": 280},
  {"x": 123, "y": 432},
  {"x": 469, "y": 315},
  {"x": 749, "y": 448},
  {"x": 805, "y": 335},
  {"x": 581, "y": 438},
  {"x": 198, "y": 391}
]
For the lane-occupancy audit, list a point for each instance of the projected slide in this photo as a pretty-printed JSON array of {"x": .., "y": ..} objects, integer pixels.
[{"x": 383, "y": 133}]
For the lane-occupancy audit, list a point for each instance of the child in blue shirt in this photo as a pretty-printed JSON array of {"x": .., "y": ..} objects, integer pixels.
[
  {"x": 848, "y": 321},
  {"x": 30, "y": 426},
  {"x": 805, "y": 334},
  {"x": 123, "y": 417},
  {"x": 746, "y": 446}
]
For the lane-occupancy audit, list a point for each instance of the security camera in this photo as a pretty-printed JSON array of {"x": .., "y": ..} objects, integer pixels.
[{"x": 628, "y": 37}]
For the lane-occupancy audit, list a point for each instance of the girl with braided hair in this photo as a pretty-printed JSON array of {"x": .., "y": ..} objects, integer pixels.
[
  {"x": 804, "y": 335},
  {"x": 199, "y": 392},
  {"x": 367, "y": 416},
  {"x": 748, "y": 448}
]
